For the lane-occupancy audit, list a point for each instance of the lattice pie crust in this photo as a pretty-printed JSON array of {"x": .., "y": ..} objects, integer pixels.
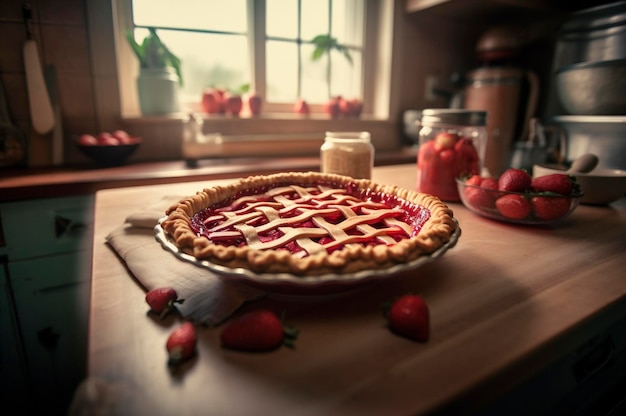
[{"x": 308, "y": 224}]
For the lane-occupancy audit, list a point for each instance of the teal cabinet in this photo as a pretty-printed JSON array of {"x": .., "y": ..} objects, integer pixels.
[
  {"x": 48, "y": 274},
  {"x": 13, "y": 372}
]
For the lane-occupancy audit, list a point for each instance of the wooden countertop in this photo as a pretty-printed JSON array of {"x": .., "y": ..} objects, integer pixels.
[
  {"x": 505, "y": 302},
  {"x": 21, "y": 184}
]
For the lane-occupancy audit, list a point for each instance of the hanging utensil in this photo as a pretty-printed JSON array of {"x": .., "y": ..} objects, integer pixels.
[
  {"x": 41, "y": 113},
  {"x": 12, "y": 141},
  {"x": 57, "y": 131}
]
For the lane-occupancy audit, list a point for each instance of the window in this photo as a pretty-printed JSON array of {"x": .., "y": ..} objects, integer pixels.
[{"x": 264, "y": 44}]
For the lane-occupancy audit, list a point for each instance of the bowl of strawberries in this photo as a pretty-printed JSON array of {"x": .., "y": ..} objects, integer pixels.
[
  {"x": 108, "y": 149},
  {"x": 517, "y": 197}
]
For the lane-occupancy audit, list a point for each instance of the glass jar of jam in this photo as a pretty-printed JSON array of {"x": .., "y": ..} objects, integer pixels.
[
  {"x": 347, "y": 153},
  {"x": 451, "y": 144}
]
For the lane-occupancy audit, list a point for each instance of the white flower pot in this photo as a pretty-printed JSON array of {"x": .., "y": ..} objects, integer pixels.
[{"x": 158, "y": 91}]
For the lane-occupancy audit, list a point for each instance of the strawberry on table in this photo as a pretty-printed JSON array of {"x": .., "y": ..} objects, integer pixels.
[
  {"x": 514, "y": 180},
  {"x": 181, "y": 344},
  {"x": 515, "y": 207},
  {"x": 162, "y": 300},
  {"x": 549, "y": 207},
  {"x": 557, "y": 182},
  {"x": 256, "y": 331},
  {"x": 409, "y": 317}
]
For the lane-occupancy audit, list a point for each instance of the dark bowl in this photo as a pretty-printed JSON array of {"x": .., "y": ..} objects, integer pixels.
[{"x": 109, "y": 155}]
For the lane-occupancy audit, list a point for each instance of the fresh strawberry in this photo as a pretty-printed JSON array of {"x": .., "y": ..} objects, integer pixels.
[
  {"x": 557, "y": 182},
  {"x": 475, "y": 180},
  {"x": 479, "y": 198},
  {"x": 259, "y": 330},
  {"x": 467, "y": 155},
  {"x": 409, "y": 316},
  {"x": 162, "y": 300},
  {"x": 181, "y": 344},
  {"x": 514, "y": 180},
  {"x": 445, "y": 140},
  {"x": 515, "y": 207},
  {"x": 549, "y": 208},
  {"x": 489, "y": 183}
]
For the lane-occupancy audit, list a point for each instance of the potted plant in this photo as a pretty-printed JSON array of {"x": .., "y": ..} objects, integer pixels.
[
  {"x": 159, "y": 74},
  {"x": 325, "y": 44}
]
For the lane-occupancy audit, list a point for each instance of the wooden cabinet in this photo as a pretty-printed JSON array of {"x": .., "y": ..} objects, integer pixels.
[{"x": 47, "y": 274}]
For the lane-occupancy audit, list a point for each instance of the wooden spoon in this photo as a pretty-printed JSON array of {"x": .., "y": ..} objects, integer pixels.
[{"x": 583, "y": 164}]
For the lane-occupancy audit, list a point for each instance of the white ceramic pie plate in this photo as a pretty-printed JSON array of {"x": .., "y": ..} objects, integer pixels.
[{"x": 293, "y": 284}]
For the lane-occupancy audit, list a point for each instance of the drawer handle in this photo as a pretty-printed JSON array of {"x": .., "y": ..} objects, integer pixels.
[
  {"x": 64, "y": 226},
  {"x": 595, "y": 361},
  {"x": 48, "y": 338}
]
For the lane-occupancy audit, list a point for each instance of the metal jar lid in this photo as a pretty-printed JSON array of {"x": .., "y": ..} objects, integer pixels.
[{"x": 454, "y": 116}]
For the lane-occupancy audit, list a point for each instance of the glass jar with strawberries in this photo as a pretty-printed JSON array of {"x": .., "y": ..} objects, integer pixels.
[{"x": 451, "y": 144}]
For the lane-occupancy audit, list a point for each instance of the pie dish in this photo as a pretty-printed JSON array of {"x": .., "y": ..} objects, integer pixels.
[{"x": 307, "y": 224}]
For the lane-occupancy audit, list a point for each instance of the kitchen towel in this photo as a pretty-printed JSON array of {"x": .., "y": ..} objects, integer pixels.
[{"x": 209, "y": 298}]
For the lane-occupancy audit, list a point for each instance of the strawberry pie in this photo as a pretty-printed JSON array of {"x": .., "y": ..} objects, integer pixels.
[{"x": 308, "y": 224}]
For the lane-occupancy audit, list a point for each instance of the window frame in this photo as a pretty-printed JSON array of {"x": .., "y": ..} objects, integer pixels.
[{"x": 373, "y": 59}]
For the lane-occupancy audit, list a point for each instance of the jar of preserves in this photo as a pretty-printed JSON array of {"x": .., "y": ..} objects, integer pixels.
[
  {"x": 348, "y": 153},
  {"x": 451, "y": 145}
]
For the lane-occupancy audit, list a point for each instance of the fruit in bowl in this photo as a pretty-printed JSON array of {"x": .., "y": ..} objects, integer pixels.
[
  {"x": 517, "y": 197},
  {"x": 108, "y": 149}
]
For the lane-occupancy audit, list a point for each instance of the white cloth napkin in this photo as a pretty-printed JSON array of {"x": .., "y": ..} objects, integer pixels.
[{"x": 209, "y": 298}]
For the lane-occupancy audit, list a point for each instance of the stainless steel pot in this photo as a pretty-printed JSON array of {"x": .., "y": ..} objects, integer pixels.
[
  {"x": 593, "y": 88},
  {"x": 604, "y": 136},
  {"x": 594, "y": 34}
]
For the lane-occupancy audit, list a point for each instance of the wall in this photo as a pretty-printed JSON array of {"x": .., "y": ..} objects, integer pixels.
[
  {"x": 60, "y": 31},
  {"x": 87, "y": 79}
]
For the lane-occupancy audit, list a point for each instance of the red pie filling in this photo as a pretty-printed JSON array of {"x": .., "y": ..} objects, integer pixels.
[{"x": 308, "y": 219}]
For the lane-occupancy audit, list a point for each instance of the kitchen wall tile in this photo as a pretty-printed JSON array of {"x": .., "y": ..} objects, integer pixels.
[
  {"x": 69, "y": 12},
  {"x": 11, "y": 10},
  {"x": 107, "y": 102},
  {"x": 76, "y": 95},
  {"x": 16, "y": 96},
  {"x": 66, "y": 48},
  {"x": 13, "y": 36}
]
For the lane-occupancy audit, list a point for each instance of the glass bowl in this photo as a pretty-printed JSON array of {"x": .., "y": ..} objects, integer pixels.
[{"x": 517, "y": 207}]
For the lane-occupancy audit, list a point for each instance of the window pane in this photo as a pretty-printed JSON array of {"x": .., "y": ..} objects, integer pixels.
[
  {"x": 208, "y": 60},
  {"x": 314, "y": 18},
  {"x": 314, "y": 84},
  {"x": 281, "y": 18},
  {"x": 282, "y": 72},
  {"x": 219, "y": 15},
  {"x": 347, "y": 24},
  {"x": 346, "y": 78}
]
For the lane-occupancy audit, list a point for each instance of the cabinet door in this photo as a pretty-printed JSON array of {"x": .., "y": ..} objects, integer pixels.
[
  {"x": 12, "y": 370},
  {"x": 52, "y": 301},
  {"x": 43, "y": 227}
]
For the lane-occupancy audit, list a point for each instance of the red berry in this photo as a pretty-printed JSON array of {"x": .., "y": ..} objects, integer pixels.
[
  {"x": 489, "y": 183},
  {"x": 513, "y": 206},
  {"x": 162, "y": 299},
  {"x": 445, "y": 140},
  {"x": 259, "y": 330},
  {"x": 479, "y": 198},
  {"x": 181, "y": 344},
  {"x": 557, "y": 182},
  {"x": 549, "y": 208},
  {"x": 475, "y": 180},
  {"x": 409, "y": 316},
  {"x": 514, "y": 180}
]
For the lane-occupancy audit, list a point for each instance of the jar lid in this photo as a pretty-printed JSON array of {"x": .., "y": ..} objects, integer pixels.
[{"x": 454, "y": 116}]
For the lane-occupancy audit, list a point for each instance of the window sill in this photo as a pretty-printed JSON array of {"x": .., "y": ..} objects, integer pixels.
[{"x": 163, "y": 136}]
